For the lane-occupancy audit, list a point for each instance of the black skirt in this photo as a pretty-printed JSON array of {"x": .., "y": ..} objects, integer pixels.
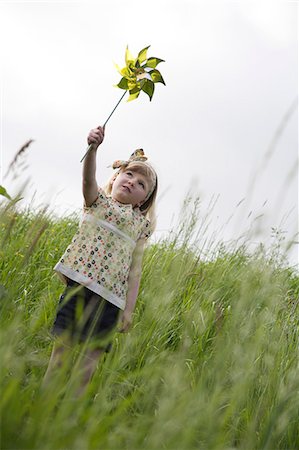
[{"x": 85, "y": 315}]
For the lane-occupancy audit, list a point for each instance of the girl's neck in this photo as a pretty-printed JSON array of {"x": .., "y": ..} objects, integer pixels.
[{"x": 123, "y": 204}]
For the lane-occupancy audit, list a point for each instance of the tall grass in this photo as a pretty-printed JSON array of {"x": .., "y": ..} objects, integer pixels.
[{"x": 210, "y": 363}]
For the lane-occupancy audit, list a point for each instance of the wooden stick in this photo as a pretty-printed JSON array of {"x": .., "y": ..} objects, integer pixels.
[{"x": 90, "y": 146}]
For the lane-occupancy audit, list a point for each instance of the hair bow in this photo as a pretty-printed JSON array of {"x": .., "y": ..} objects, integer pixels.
[{"x": 137, "y": 155}]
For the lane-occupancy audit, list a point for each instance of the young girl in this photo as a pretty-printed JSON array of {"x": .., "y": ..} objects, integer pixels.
[{"x": 102, "y": 266}]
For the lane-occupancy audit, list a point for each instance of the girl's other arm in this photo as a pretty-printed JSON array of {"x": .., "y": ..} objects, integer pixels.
[
  {"x": 89, "y": 184},
  {"x": 133, "y": 285}
]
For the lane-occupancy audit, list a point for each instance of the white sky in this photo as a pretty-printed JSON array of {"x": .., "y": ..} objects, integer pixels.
[{"x": 231, "y": 73}]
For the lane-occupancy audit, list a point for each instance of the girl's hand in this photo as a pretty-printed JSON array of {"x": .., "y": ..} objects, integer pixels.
[
  {"x": 125, "y": 321},
  {"x": 96, "y": 136}
]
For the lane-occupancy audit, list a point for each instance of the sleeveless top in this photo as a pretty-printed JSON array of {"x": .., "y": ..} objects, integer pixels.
[{"x": 100, "y": 254}]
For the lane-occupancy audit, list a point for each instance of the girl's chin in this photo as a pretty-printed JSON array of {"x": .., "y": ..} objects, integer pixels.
[{"x": 121, "y": 199}]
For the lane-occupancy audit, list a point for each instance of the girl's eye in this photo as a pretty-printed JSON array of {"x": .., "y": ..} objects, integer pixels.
[{"x": 142, "y": 184}]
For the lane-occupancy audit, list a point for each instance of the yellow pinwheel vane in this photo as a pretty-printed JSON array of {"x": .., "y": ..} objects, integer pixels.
[{"x": 139, "y": 75}]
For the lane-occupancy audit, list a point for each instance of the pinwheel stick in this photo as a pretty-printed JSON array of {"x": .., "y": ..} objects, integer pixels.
[{"x": 90, "y": 146}]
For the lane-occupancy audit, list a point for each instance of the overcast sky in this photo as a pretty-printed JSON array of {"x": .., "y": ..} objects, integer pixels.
[{"x": 231, "y": 87}]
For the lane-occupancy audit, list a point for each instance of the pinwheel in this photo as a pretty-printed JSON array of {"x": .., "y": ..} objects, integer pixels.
[{"x": 138, "y": 75}]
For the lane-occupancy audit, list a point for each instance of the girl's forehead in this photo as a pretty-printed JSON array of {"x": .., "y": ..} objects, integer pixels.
[{"x": 140, "y": 171}]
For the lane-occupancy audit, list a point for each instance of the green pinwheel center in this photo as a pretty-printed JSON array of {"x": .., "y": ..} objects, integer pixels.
[{"x": 140, "y": 73}]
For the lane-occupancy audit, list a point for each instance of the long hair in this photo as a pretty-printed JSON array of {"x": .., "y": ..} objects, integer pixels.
[{"x": 148, "y": 207}]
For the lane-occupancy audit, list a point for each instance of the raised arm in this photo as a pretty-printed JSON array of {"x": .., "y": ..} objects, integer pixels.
[{"x": 89, "y": 182}]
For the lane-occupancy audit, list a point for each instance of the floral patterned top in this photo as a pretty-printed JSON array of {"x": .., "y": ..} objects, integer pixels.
[{"x": 100, "y": 254}]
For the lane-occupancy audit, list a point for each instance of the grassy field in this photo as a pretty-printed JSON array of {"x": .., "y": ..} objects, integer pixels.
[{"x": 210, "y": 363}]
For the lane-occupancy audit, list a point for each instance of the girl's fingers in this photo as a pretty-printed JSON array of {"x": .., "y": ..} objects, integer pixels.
[
  {"x": 123, "y": 325},
  {"x": 100, "y": 133},
  {"x": 96, "y": 136}
]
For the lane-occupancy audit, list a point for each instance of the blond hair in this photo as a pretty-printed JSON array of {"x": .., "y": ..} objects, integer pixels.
[{"x": 144, "y": 168}]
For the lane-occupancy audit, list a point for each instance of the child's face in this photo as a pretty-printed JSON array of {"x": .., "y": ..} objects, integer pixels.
[{"x": 130, "y": 187}]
